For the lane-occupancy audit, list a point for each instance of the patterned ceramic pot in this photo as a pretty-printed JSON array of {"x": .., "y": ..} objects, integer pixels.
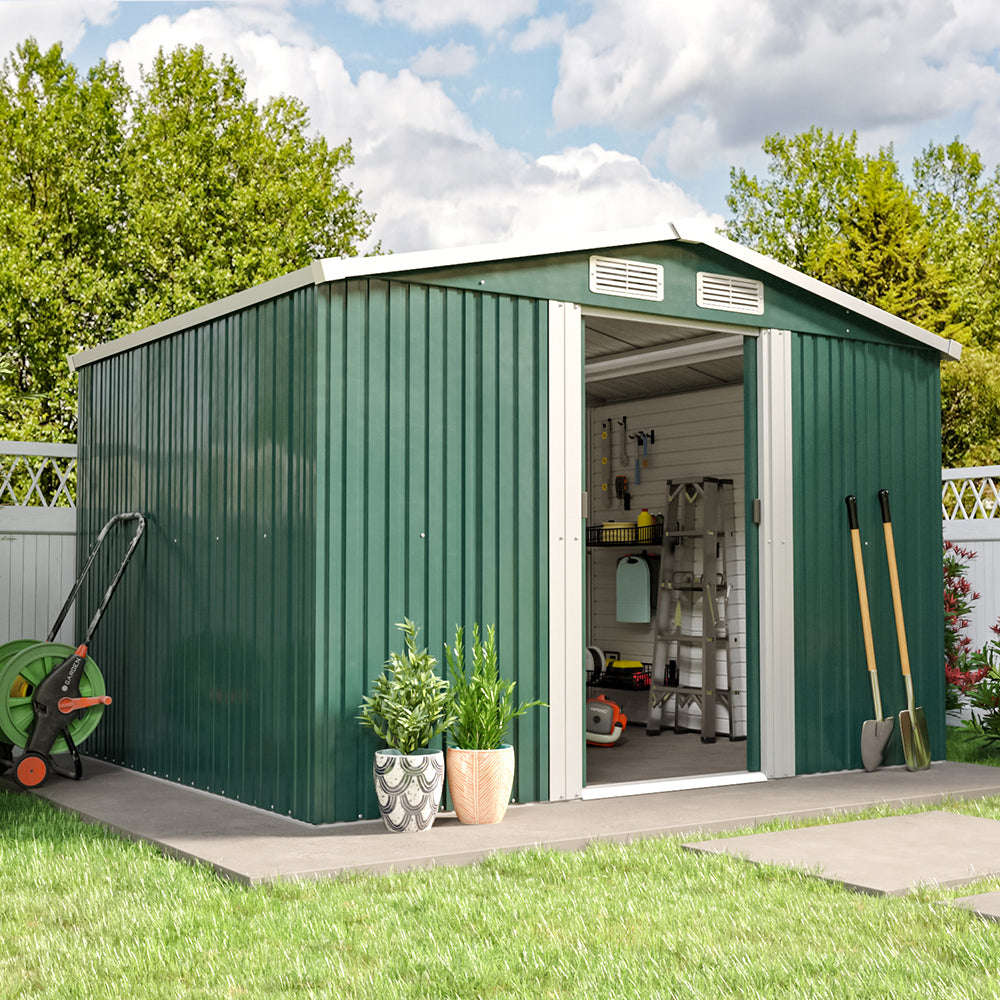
[
  {"x": 409, "y": 788},
  {"x": 479, "y": 782}
]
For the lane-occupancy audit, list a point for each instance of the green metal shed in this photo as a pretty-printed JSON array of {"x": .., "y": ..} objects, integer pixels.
[{"x": 420, "y": 435}]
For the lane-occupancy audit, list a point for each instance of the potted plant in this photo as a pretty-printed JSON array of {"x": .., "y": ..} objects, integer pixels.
[
  {"x": 409, "y": 706},
  {"x": 480, "y": 763}
]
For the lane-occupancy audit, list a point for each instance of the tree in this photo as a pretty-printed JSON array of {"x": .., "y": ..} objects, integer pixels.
[
  {"x": 796, "y": 213},
  {"x": 881, "y": 252},
  {"x": 961, "y": 208},
  {"x": 122, "y": 207},
  {"x": 970, "y": 409},
  {"x": 927, "y": 253},
  {"x": 60, "y": 209}
]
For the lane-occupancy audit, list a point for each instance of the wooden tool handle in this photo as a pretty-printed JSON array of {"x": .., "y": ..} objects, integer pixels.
[
  {"x": 859, "y": 572},
  {"x": 897, "y": 600}
]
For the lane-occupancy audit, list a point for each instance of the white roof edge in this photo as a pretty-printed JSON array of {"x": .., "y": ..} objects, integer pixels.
[
  {"x": 341, "y": 268},
  {"x": 694, "y": 234}
]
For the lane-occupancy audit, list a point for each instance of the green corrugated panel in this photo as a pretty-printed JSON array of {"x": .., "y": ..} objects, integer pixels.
[
  {"x": 304, "y": 493},
  {"x": 208, "y": 648},
  {"x": 432, "y": 493},
  {"x": 866, "y": 417}
]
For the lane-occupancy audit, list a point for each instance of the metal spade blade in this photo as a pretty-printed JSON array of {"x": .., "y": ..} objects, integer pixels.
[{"x": 874, "y": 737}]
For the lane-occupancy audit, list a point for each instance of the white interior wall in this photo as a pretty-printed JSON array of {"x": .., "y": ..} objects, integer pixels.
[{"x": 698, "y": 435}]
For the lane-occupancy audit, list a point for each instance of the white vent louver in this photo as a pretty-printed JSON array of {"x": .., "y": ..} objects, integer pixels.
[
  {"x": 631, "y": 279},
  {"x": 722, "y": 291}
]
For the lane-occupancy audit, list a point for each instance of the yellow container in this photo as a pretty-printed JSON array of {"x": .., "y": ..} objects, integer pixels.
[
  {"x": 618, "y": 531},
  {"x": 644, "y": 526}
]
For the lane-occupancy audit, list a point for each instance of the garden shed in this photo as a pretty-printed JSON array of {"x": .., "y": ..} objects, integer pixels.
[{"x": 431, "y": 435}]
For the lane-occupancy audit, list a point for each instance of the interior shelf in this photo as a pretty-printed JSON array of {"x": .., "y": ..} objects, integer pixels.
[{"x": 602, "y": 536}]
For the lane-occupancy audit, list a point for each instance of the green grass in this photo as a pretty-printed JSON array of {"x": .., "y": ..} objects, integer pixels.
[
  {"x": 961, "y": 745},
  {"x": 86, "y": 914}
]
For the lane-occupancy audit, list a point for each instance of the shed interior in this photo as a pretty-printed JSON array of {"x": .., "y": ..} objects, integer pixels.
[{"x": 664, "y": 404}]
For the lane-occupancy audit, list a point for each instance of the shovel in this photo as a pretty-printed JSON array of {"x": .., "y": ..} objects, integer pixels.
[
  {"x": 875, "y": 732},
  {"x": 912, "y": 724}
]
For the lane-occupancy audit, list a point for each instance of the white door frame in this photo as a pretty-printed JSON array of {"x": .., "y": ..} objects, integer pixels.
[
  {"x": 567, "y": 525},
  {"x": 566, "y": 541},
  {"x": 776, "y": 600}
]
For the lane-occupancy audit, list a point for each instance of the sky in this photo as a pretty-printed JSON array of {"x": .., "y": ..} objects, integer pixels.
[{"x": 483, "y": 121}]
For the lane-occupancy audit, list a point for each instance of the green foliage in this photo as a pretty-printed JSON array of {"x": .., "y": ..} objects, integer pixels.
[
  {"x": 970, "y": 409},
  {"x": 961, "y": 209},
  {"x": 928, "y": 252},
  {"x": 482, "y": 702},
  {"x": 964, "y": 746},
  {"x": 963, "y": 666},
  {"x": 881, "y": 251},
  {"x": 984, "y": 701},
  {"x": 409, "y": 705},
  {"x": 796, "y": 213},
  {"x": 121, "y": 207}
]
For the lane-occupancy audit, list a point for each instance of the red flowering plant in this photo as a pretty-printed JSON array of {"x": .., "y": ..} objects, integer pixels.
[
  {"x": 984, "y": 697},
  {"x": 964, "y": 667}
]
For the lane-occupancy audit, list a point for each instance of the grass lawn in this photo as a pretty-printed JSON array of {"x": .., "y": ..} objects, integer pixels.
[
  {"x": 962, "y": 745},
  {"x": 86, "y": 914}
]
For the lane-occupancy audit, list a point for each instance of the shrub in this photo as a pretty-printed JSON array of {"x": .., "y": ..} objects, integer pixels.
[{"x": 964, "y": 668}]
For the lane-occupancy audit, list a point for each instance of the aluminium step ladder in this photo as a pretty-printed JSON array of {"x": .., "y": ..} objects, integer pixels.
[{"x": 692, "y": 627}]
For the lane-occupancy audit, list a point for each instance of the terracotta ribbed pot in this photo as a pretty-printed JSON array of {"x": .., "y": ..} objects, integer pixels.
[
  {"x": 409, "y": 788},
  {"x": 479, "y": 782}
]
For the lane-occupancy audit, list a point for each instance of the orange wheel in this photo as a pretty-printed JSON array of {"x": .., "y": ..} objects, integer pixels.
[{"x": 30, "y": 771}]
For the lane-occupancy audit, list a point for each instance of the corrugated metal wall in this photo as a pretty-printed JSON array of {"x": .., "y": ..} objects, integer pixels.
[
  {"x": 305, "y": 495},
  {"x": 432, "y": 498},
  {"x": 866, "y": 418},
  {"x": 208, "y": 647}
]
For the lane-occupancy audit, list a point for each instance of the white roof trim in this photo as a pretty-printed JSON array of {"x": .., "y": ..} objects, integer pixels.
[
  {"x": 695, "y": 234},
  {"x": 339, "y": 268},
  {"x": 342, "y": 268}
]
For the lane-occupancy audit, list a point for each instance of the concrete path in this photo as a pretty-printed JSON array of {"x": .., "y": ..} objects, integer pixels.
[
  {"x": 888, "y": 856},
  {"x": 252, "y": 845}
]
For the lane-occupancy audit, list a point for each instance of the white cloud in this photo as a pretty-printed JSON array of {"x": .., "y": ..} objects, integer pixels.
[
  {"x": 432, "y": 178},
  {"x": 430, "y": 15},
  {"x": 64, "y": 21},
  {"x": 715, "y": 77},
  {"x": 541, "y": 31},
  {"x": 450, "y": 60}
]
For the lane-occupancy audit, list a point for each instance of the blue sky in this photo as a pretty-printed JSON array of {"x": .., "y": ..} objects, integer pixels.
[{"x": 478, "y": 121}]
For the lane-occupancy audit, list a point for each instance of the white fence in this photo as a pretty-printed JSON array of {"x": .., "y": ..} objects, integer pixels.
[
  {"x": 38, "y": 543},
  {"x": 970, "y": 509},
  {"x": 37, "y": 538}
]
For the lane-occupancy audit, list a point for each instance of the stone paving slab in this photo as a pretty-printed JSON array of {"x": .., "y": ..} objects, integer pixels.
[
  {"x": 887, "y": 856},
  {"x": 984, "y": 904}
]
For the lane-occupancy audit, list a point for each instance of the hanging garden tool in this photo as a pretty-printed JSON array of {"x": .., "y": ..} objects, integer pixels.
[
  {"x": 912, "y": 723},
  {"x": 606, "y": 429},
  {"x": 52, "y": 696},
  {"x": 875, "y": 732}
]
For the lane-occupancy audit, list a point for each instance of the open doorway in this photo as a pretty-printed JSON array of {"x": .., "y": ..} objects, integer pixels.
[{"x": 665, "y": 417}]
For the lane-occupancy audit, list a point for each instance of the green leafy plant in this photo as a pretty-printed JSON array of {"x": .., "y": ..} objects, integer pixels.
[
  {"x": 964, "y": 667},
  {"x": 482, "y": 702},
  {"x": 984, "y": 695},
  {"x": 409, "y": 704}
]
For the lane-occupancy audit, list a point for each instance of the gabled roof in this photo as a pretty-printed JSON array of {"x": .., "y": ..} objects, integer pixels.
[{"x": 341, "y": 268}]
